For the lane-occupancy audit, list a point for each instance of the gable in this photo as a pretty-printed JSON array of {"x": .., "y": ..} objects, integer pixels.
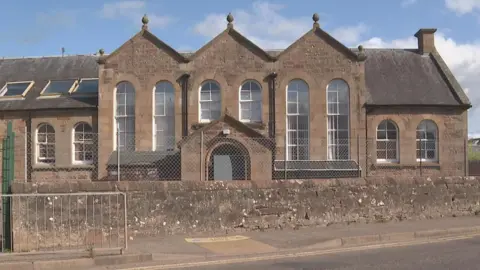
[
  {"x": 320, "y": 49},
  {"x": 225, "y": 122},
  {"x": 144, "y": 53},
  {"x": 231, "y": 50}
]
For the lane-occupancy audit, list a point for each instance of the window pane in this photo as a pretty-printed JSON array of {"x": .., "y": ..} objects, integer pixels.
[
  {"x": 392, "y": 154},
  {"x": 381, "y": 154},
  {"x": 343, "y": 152},
  {"x": 256, "y": 95},
  {"x": 303, "y": 122},
  {"x": 382, "y": 125},
  {"x": 292, "y": 96},
  {"x": 430, "y": 154},
  {"x": 381, "y": 145},
  {"x": 245, "y": 95},
  {"x": 430, "y": 145},
  {"x": 204, "y": 96},
  {"x": 42, "y": 137},
  {"x": 303, "y": 137},
  {"x": 392, "y": 145},
  {"x": 332, "y": 108},
  {"x": 343, "y": 122},
  {"x": 87, "y": 87},
  {"x": 381, "y": 135},
  {"x": 292, "y": 137},
  {"x": 246, "y": 114},
  {"x": 59, "y": 87},
  {"x": 15, "y": 89},
  {"x": 292, "y": 123},
  {"x": 430, "y": 135},
  {"x": 303, "y": 108},
  {"x": 331, "y": 97},
  {"x": 343, "y": 108},
  {"x": 392, "y": 134},
  {"x": 292, "y": 108}
]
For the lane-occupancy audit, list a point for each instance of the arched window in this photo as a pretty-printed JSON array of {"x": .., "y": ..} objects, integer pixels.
[
  {"x": 210, "y": 101},
  {"x": 83, "y": 146},
  {"x": 164, "y": 117},
  {"x": 387, "y": 141},
  {"x": 298, "y": 126},
  {"x": 427, "y": 141},
  {"x": 251, "y": 102},
  {"x": 338, "y": 120},
  {"x": 125, "y": 117},
  {"x": 45, "y": 144}
]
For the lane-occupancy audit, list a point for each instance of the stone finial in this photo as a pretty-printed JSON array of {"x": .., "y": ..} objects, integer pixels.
[
  {"x": 361, "y": 53},
  {"x": 315, "y": 19},
  {"x": 230, "y": 20},
  {"x": 101, "y": 52},
  {"x": 145, "y": 21}
]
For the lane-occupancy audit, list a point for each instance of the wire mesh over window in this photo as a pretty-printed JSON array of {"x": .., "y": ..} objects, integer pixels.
[
  {"x": 164, "y": 117},
  {"x": 251, "y": 102},
  {"x": 125, "y": 116},
  {"x": 298, "y": 126},
  {"x": 210, "y": 101},
  {"x": 83, "y": 144},
  {"x": 387, "y": 142},
  {"x": 338, "y": 120},
  {"x": 45, "y": 144},
  {"x": 427, "y": 139}
]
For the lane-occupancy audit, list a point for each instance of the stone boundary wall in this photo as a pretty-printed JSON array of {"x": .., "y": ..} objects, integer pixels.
[{"x": 159, "y": 208}]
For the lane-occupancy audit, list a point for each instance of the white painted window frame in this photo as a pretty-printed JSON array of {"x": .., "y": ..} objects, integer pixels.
[
  {"x": 84, "y": 142},
  {"x": 297, "y": 145},
  {"x": 250, "y": 102},
  {"x": 388, "y": 140},
  {"x": 117, "y": 117},
  {"x": 45, "y": 160},
  {"x": 332, "y": 143},
  {"x": 162, "y": 114}
]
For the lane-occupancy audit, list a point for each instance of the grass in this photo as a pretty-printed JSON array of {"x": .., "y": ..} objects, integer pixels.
[{"x": 473, "y": 155}]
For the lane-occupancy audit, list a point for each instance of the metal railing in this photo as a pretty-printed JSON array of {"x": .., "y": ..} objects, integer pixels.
[{"x": 64, "y": 222}]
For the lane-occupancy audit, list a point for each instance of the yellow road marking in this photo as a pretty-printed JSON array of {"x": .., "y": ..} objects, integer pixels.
[
  {"x": 216, "y": 239},
  {"x": 300, "y": 254}
]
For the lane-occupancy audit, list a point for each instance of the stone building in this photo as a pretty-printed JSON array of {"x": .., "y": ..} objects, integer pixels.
[{"x": 232, "y": 110}]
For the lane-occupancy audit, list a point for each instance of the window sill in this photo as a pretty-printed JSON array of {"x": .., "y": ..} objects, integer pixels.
[
  {"x": 73, "y": 167},
  {"x": 397, "y": 165}
]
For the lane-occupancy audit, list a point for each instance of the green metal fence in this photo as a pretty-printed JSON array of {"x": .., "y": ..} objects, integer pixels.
[{"x": 8, "y": 164}]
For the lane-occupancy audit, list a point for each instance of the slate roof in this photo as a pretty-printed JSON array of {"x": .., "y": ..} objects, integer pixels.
[
  {"x": 393, "y": 77},
  {"x": 405, "y": 77},
  {"x": 41, "y": 70}
]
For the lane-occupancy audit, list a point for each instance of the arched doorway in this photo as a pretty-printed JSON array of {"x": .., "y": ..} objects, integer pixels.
[{"x": 228, "y": 161}]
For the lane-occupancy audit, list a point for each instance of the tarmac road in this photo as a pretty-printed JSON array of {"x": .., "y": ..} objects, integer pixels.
[{"x": 459, "y": 254}]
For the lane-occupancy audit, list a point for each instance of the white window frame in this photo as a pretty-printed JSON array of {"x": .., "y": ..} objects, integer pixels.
[
  {"x": 298, "y": 146},
  {"x": 116, "y": 117},
  {"x": 333, "y": 143},
  {"x": 250, "y": 101},
  {"x": 45, "y": 160},
  {"x": 387, "y": 140},
  {"x": 156, "y": 114},
  {"x": 200, "y": 101},
  {"x": 423, "y": 126},
  {"x": 3, "y": 91},
  {"x": 84, "y": 142}
]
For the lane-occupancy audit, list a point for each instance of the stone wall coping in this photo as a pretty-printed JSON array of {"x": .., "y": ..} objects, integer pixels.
[{"x": 182, "y": 186}]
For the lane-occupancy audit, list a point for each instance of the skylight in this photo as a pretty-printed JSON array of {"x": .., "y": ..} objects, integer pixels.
[
  {"x": 60, "y": 87},
  {"x": 15, "y": 89},
  {"x": 87, "y": 86}
]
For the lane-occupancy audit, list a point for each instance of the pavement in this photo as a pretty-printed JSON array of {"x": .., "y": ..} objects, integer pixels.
[
  {"x": 202, "y": 250},
  {"x": 187, "y": 251}
]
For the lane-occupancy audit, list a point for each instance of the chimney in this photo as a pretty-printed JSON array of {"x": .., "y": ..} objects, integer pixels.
[{"x": 426, "y": 40}]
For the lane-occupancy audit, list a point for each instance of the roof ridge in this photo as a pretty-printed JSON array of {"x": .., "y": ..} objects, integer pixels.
[{"x": 46, "y": 56}]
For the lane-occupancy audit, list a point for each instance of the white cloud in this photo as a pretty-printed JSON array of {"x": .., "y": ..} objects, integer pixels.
[
  {"x": 134, "y": 11},
  {"x": 263, "y": 24},
  {"x": 350, "y": 34},
  {"x": 406, "y": 3},
  {"x": 463, "y": 6}
]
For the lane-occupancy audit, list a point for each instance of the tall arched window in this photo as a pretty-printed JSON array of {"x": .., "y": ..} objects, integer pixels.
[
  {"x": 298, "y": 126},
  {"x": 125, "y": 117},
  {"x": 387, "y": 141},
  {"x": 427, "y": 141},
  {"x": 45, "y": 146},
  {"x": 251, "y": 102},
  {"x": 83, "y": 145},
  {"x": 338, "y": 120},
  {"x": 210, "y": 101},
  {"x": 164, "y": 117}
]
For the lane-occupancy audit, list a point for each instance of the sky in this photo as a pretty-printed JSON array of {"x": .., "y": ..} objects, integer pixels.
[{"x": 42, "y": 28}]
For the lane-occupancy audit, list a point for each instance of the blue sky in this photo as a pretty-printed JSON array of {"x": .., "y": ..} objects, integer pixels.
[{"x": 40, "y": 28}]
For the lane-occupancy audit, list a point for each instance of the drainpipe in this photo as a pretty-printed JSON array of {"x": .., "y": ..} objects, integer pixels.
[
  {"x": 366, "y": 143},
  {"x": 271, "y": 120},
  {"x": 28, "y": 149},
  {"x": 184, "y": 80}
]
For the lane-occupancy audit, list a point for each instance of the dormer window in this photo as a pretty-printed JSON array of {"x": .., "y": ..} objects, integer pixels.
[
  {"x": 59, "y": 87},
  {"x": 16, "y": 89}
]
